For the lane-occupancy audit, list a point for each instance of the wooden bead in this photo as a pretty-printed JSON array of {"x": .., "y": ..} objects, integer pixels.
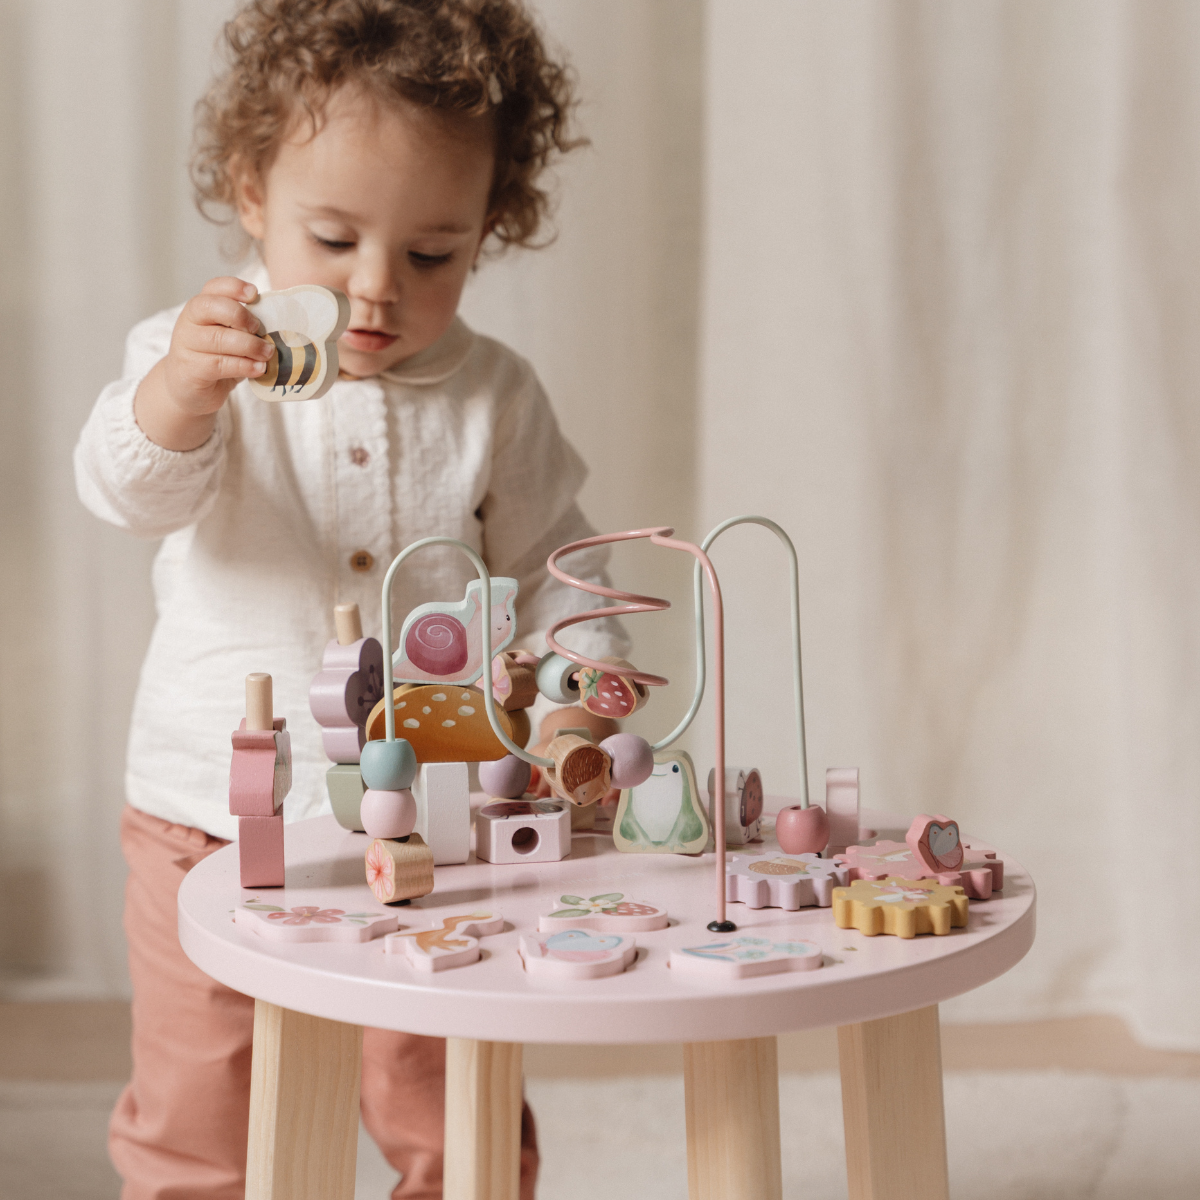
[
  {"x": 399, "y": 870},
  {"x": 582, "y": 772},
  {"x": 507, "y": 777},
  {"x": 388, "y": 814}
]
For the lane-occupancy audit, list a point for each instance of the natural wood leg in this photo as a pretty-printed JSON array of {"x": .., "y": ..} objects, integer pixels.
[
  {"x": 483, "y": 1120},
  {"x": 304, "y": 1081},
  {"x": 892, "y": 1107},
  {"x": 731, "y": 1092}
]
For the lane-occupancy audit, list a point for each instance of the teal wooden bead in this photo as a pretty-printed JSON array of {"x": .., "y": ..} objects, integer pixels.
[
  {"x": 388, "y": 766},
  {"x": 554, "y": 679}
]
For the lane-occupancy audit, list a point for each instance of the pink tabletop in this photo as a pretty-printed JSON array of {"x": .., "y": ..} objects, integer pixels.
[{"x": 495, "y": 1000}]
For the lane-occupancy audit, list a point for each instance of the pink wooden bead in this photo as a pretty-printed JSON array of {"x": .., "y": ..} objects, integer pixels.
[
  {"x": 802, "y": 830},
  {"x": 388, "y": 814},
  {"x": 632, "y": 759},
  {"x": 507, "y": 777}
]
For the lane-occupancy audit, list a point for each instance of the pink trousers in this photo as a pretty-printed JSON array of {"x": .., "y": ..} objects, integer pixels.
[{"x": 179, "y": 1129}]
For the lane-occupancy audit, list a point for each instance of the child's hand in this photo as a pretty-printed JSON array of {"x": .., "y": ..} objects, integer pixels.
[{"x": 214, "y": 346}]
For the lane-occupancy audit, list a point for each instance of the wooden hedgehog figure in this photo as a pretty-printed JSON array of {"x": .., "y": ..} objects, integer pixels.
[
  {"x": 305, "y": 323},
  {"x": 442, "y": 643}
]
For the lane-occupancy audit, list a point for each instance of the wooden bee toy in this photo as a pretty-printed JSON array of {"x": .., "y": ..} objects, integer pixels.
[{"x": 305, "y": 323}]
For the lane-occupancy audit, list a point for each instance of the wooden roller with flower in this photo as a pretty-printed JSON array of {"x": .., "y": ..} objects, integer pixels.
[{"x": 398, "y": 872}]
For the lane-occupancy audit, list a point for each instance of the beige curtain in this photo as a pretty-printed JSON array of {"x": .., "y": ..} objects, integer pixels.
[{"x": 914, "y": 279}]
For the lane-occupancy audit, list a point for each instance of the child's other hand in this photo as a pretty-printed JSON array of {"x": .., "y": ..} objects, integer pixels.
[{"x": 214, "y": 346}]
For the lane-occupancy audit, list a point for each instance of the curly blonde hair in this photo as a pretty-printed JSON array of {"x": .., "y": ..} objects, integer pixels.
[{"x": 464, "y": 57}]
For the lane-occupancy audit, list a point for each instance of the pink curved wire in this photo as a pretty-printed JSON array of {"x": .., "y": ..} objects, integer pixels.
[
  {"x": 634, "y": 603},
  {"x": 631, "y": 601}
]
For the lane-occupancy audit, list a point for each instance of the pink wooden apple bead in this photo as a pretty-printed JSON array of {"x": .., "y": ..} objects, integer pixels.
[
  {"x": 388, "y": 814},
  {"x": 632, "y": 759},
  {"x": 506, "y": 778},
  {"x": 802, "y": 830}
]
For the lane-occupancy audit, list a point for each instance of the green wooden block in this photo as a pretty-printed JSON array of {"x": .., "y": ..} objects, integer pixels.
[{"x": 345, "y": 784}]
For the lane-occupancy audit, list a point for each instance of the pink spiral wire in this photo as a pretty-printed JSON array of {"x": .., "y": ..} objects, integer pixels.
[{"x": 631, "y": 603}]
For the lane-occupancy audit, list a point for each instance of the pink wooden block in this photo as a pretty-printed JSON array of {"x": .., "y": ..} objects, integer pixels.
[
  {"x": 453, "y": 943},
  {"x": 842, "y": 808},
  {"x": 342, "y": 694},
  {"x": 523, "y": 831},
  {"x": 980, "y": 875},
  {"x": 312, "y": 922},
  {"x": 609, "y": 912},
  {"x": 744, "y": 956},
  {"x": 576, "y": 954},
  {"x": 260, "y": 772},
  {"x": 260, "y": 851},
  {"x": 787, "y": 881}
]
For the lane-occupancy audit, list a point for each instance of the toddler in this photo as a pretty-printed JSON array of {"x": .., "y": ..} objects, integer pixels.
[{"x": 374, "y": 146}]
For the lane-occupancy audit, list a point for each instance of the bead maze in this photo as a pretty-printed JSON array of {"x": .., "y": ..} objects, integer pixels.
[{"x": 453, "y": 693}]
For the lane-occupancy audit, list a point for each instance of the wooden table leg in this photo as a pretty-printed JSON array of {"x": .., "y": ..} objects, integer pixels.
[
  {"x": 483, "y": 1120},
  {"x": 892, "y": 1107},
  {"x": 304, "y": 1080},
  {"x": 731, "y": 1094}
]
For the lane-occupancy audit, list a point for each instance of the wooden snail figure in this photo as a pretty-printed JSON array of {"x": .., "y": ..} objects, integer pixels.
[
  {"x": 440, "y": 642},
  {"x": 304, "y": 323}
]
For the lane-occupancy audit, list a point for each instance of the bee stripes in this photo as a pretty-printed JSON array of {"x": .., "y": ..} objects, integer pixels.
[{"x": 294, "y": 363}]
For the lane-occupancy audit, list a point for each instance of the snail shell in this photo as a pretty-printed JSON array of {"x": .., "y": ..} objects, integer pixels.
[{"x": 437, "y": 644}]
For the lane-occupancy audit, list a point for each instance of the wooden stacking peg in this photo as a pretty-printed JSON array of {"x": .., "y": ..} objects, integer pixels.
[
  {"x": 348, "y": 623},
  {"x": 259, "y": 702}
]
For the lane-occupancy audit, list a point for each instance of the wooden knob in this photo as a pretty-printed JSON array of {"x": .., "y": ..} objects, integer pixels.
[
  {"x": 348, "y": 622},
  {"x": 259, "y": 710}
]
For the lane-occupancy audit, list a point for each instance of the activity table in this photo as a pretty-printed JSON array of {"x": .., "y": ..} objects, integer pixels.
[{"x": 313, "y": 999}]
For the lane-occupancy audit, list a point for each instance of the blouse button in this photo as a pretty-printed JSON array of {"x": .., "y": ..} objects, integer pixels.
[
  {"x": 360, "y": 456},
  {"x": 362, "y": 560}
]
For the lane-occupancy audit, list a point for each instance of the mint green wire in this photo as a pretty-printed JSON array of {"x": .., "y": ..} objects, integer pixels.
[
  {"x": 798, "y": 682},
  {"x": 489, "y": 701}
]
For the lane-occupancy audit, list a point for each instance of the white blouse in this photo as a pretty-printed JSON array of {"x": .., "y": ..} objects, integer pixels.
[{"x": 270, "y": 523}]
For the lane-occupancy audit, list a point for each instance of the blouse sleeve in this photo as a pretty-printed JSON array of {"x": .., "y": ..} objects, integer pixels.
[
  {"x": 125, "y": 478},
  {"x": 530, "y": 511}
]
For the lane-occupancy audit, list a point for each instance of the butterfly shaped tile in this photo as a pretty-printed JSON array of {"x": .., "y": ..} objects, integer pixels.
[
  {"x": 609, "y": 912},
  {"x": 453, "y": 943},
  {"x": 568, "y": 954},
  {"x": 312, "y": 922},
  {"x": 745, "y": 956},
  {"x": 787, "y": 881}
]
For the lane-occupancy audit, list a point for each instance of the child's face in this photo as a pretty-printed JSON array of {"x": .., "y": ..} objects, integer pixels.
[{"x": 388, "y": 206}]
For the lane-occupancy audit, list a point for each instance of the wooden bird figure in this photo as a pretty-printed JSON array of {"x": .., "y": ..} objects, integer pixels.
[{"x": 443, "y": 642}]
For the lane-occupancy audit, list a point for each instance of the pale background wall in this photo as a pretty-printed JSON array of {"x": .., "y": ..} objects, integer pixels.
[{"x": 917, "y": 280}]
